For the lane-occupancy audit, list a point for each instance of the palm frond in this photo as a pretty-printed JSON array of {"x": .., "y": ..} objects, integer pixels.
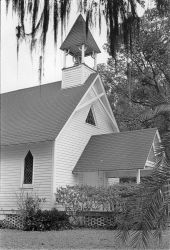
[
  {"x": 158, "y": 105},
  {"x": 139, "y": 239},
  {"x": 147, "y": 208}
]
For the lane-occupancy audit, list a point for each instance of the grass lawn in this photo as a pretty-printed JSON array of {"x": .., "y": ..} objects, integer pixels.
[{"x": 67, "y": 239}]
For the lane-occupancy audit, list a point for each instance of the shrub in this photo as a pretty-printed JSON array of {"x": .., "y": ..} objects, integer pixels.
[
  {"x": 78, "y": 200},
  {"x": 35, "y": 219},
  {"x": 47, "y": 220},
  {"x": 87, "y": 198},
  {"x": 1, "y": 224},
  {"x": 29, "y": 205}
]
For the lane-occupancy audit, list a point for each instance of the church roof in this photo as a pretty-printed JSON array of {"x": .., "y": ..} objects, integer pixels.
[
  {"x": 78, "y": 36},
  {"x": 117, "y": 151},
  {"x": 38, "y": 113}
]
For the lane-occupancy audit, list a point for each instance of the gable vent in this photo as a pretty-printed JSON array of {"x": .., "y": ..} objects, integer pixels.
[{"x": 90, "y": 118}]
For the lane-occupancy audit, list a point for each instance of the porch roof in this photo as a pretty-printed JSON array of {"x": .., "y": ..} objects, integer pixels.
[{"x": 118, "y": 151}]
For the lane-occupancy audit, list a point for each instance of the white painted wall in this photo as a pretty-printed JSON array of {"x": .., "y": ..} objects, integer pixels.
[
  {"x": 75, "y": 76},
  {"x": 72, "y": 140},
  {"x": 12, "y": 164},
  {"x": 94, "y": 179}
]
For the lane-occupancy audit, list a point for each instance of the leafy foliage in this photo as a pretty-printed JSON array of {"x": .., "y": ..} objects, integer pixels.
[
  {"x": 87, "y": 198},
  {"x": 36, "y": 219},
  {"x": 28, "y": 205},
  {"x": 81, "y": 201},
  {"x": 139, "y": 88},
  {"x": 44, "y": 220}
]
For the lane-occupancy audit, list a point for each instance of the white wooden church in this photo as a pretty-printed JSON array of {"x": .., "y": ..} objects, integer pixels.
[{"x": 65, "y": 133}]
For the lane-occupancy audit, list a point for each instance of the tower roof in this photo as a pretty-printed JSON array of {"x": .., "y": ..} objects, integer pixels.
[{"x": 78, "y": 36}]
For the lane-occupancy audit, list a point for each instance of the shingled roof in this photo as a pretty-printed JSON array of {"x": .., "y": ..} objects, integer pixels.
[
  {"x": 117, "y": 151},
  {"x": 78, "y": 36},
  {"x": 38, "y": 113}
]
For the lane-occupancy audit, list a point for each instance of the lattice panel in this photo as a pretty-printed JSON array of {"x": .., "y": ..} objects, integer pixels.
[
  {"x": 12, "y": 221},
  {"x": 98, "y": 221}
]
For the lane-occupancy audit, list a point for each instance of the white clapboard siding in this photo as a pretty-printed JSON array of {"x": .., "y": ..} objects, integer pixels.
[
  {"x": 74, "y": 137},
  {"x": 74, "y": 76},
  {"x": 12, "y": 164}
]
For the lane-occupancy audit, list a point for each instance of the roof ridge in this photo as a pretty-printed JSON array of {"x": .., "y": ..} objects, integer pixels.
[
  {"x": 127, "y": 132},
  {"x": 137, "y": 130},
  {"x": 45, "y": 85}
]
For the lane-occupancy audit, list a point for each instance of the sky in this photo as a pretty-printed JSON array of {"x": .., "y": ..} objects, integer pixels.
[{"x": 24, "y": 72}]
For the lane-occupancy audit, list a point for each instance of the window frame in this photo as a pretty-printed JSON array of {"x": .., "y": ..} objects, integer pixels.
[
  {"x": 24, "y": 185},
  {"x": 93, "y": 113}
]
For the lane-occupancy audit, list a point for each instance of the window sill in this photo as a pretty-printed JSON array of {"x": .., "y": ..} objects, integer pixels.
[
  {"x": 93, "y": 126},
  {"x": 26, "y": 186}
]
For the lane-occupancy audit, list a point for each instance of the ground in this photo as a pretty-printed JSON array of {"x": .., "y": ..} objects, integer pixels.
[{"x": 67, "y": 239}]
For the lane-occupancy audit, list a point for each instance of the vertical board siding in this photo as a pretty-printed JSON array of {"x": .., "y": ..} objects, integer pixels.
[
  {"x": 73, "y": 139},
  {"x": 12, "y": 164}
]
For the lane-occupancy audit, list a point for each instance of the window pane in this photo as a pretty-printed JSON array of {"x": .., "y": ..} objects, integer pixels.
[{"x": 28, "y": 169}]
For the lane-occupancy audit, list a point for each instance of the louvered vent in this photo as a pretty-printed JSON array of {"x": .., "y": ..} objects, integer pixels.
[{"x": 90, "y": 118}]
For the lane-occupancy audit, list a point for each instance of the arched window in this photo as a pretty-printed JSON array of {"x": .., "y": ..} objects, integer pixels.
[
  {"x": 28, "y": 169},
  {"x": 90, "y": 118}
]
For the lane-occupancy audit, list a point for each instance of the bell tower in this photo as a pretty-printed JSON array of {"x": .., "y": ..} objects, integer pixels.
[{"x": 79, "y": 43}]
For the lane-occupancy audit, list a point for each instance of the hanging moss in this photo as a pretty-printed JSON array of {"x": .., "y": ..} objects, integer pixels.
[
  {"x": 55, "y": 20},
  {"x": 113, "y": 11}
]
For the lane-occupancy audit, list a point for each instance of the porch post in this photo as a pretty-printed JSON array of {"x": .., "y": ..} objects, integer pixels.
[
  {"x": 82, "y": 53},
  {"x": 138, "y": 177},
  {"x": 95, "y": 61},
  {"x": 64, "y": 59}
]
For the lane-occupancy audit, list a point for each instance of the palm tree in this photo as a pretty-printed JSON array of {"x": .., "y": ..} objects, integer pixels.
[{"x": 147, "y": 210}]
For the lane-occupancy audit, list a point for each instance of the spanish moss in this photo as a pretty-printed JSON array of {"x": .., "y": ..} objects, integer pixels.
[{"x": 120, "y": 16}]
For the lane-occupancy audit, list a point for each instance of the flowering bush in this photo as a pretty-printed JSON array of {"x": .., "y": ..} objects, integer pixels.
[{"x": 87, "y": 198}]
